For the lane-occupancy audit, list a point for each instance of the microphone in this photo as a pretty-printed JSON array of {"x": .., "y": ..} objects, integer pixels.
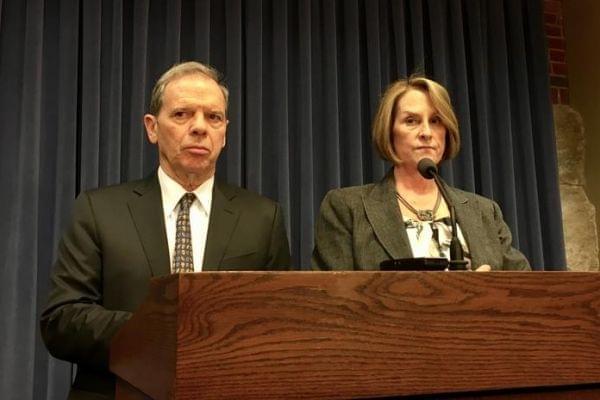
[{"x": 429, "y": 170}]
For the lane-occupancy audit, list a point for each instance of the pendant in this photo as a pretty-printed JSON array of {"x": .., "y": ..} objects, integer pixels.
[{"x": 425, "y": 215}]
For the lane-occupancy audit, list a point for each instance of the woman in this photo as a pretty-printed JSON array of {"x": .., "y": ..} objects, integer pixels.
[{"x": 405, "y": 214}]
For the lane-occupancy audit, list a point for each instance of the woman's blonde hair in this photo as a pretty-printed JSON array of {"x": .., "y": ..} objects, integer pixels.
[{"x": 386, "y": 114}]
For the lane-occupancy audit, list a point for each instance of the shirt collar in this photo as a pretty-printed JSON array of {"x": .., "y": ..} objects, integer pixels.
[{"x": 172, "y": 191}]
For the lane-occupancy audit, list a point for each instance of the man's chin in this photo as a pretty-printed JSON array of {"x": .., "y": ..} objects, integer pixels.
[{"x": 202, "y": 169}]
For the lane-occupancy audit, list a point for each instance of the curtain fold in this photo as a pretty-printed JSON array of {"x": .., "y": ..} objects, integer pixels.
[
  {"x": 305, "y": 77},
  {"x": 24, "y": 213}
]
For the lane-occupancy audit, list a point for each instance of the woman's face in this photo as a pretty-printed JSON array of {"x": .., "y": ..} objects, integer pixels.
[{"x": 417, "y": 130}]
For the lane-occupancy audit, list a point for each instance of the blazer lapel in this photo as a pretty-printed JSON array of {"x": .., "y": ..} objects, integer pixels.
[
  {"x": 469, "y": 219},
  {"x": 223, "y": 219},
  {"x": 386, "y": 219},
  {"x": 148, "y": 217}
]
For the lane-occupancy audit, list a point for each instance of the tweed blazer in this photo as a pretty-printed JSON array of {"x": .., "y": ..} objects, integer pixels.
[
  {"x": 360, "y": 226},
  {"x": 117, "y": 242}
]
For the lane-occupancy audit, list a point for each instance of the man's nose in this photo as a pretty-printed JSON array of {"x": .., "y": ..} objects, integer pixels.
[{"x": 198, "y": 124}]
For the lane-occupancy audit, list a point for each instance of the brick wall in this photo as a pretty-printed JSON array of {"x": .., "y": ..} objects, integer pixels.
[{"x": 555, "y": 32}]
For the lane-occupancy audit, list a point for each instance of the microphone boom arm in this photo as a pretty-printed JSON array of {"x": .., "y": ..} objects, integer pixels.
[{"x": 428, "y": 170}]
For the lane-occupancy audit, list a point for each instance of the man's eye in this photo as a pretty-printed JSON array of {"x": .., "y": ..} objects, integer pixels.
[
  {"x": 216, "y": 117},
  {"x": 179, "y": 114}
]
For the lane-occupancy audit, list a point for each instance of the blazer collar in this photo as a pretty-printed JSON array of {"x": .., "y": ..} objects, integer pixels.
[
  {"x": 147, "y": 214},
  {"x": 386, "y": 219},
  {"x": 224, "y": 217}
]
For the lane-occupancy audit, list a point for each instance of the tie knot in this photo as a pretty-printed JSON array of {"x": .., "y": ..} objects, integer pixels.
[{"x": 187, "y": 200}]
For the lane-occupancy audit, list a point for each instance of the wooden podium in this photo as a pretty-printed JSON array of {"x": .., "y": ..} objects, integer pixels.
[{"x": 341, "y": 335}]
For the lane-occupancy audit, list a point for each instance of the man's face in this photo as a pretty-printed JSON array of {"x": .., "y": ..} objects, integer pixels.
[{"x": 189, "y": 128}]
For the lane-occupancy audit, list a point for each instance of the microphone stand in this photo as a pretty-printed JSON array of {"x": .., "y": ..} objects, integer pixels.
[{"x": 457, "y": 260}]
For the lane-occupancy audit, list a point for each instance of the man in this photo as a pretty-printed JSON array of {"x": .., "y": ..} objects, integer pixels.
[{"x": 123, "y": 235}]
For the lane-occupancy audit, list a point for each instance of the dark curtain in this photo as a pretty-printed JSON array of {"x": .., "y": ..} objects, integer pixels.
[{"x": 305, "y": 78}]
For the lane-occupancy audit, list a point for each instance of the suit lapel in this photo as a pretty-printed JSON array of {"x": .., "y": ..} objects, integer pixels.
[
  {"x": 223, "y": 219},
  {"x": 468, "y": 217},
  {"x": 386, "y": 219},
  {"x": 147, "y": 214}
]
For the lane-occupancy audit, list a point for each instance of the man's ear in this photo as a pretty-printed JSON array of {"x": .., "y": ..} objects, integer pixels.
[
  {"x": 225, "y": 136},
  {"x": 150, "y": 124}
]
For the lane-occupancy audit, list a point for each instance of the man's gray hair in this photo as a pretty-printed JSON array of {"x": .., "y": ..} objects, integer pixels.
[{"x": 178, "y": 71}]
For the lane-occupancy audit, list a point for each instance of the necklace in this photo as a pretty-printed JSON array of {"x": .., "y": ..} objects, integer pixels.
[{"x": 422, "y": 215}]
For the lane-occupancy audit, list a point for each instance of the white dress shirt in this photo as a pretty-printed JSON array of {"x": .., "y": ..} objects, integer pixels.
[{"x": 199, "y": 214}]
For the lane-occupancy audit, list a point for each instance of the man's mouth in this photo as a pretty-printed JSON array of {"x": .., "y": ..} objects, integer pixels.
[{"x": 197, "y": 150}]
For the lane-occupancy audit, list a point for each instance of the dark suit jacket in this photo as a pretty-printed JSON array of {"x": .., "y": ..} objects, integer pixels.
[
  {"x": 358, "y": 227},
  {"x": 116, "y": 242}
]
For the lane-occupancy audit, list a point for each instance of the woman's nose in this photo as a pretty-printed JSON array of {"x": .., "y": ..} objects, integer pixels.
[{"x": 425, "y": 131}]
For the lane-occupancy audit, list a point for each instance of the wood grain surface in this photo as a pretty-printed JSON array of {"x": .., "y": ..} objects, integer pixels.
[
  {"x": 143, "y": 352},
  {"x": 257, "y": 335}
]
